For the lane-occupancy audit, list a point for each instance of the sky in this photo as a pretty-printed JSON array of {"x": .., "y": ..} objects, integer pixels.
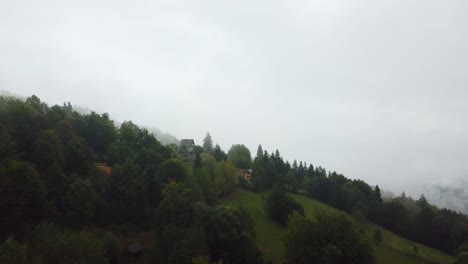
[{"x": 375, "y": 90}]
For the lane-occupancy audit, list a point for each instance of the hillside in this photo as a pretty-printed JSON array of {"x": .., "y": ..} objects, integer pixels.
[
  {"x": 269, "y": 233},
  {"x": 63, "y": 172}
]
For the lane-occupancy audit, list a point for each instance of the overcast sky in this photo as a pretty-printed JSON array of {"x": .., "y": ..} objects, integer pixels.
[{"x": 375, "y": 90}]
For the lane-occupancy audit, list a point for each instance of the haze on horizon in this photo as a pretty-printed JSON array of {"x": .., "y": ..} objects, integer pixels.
[{"x": 375, "y": 90}]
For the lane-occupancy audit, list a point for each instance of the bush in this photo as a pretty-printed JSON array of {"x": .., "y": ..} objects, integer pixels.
[
  {"x": 280, "y": 206},
  {"x": 13, "y": 252},
  {"x": 331, "y": 238},
  {"x": 50, "y": 244}
]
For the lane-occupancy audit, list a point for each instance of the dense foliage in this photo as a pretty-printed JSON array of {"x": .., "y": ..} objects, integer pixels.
[
  {"x": 49, "y": 244},
  {"x": 329, "y": 238},
  {"x": 62, "y": 172},
  {"x": 280, "y": 206},
  {"x": 185, "y": 229},
  {"x": 240, "y": 156},
  {"x": 417, "y": 220}
]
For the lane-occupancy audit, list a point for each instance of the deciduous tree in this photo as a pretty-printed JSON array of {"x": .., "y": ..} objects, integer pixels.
[
  {"x": 329, "y": 238},
  {"x": 240, "y": 156},
  {"x": 280, "y": 206}
]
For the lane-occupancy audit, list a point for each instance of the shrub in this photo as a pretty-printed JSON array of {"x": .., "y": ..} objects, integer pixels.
[{"x": 279, "y": 206}]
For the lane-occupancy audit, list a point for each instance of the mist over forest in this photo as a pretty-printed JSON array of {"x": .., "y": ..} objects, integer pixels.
[
  {"x": 233, "y": 132},
  {"x": 452, "y": 194},
  {"x": 447, "y": 192},
  {"x": 375, "y": 90},
  {"x": 164, "y": 137}
]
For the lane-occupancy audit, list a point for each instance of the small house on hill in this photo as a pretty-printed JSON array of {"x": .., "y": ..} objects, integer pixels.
[
  {"x": 187, "y": 144},
  {"x": 246, "y": 174},
  {"x": 104, "y": 170},
  {"x": 187, "y": 147}
]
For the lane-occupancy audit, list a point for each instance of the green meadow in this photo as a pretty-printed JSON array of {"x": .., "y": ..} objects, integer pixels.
[{"x": 269, "y": 234}]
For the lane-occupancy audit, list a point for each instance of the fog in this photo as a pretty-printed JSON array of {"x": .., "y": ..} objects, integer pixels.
[{"x": 375, "y": 90}]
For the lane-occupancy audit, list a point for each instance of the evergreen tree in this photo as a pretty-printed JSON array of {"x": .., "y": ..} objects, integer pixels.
[
  {"x": 259, "y": 151},
  {"x": 23, "y": 198},
  {"x": 377, "y": 194},
  {"x": 422, "y": 202},
  {"x": 80, "y": 202},
  {"x": 208, "y": 143},
  {"x": 219, "y": 154},
  {"x": 279, "y": 206}
]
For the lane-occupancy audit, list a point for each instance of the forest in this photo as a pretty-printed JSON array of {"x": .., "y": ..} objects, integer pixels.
[{"x": 72, "y": 185}]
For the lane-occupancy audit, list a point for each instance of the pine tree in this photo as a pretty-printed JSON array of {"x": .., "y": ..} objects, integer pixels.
[
  {"x": 422, "y": 202},
  {"x": 219, "y": 154},
  {"x": 277, "y": 154},
  {"x": 208, "y": 143},
  {"x": 377, "y": 194},
  {"x": 259, "y": 151}
]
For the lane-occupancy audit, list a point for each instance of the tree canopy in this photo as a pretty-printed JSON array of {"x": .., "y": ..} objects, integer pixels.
[
  {"x": 240, "y": 156},
  {"x": 280, "y": 206},
  {"x": 329, "y": 238}
]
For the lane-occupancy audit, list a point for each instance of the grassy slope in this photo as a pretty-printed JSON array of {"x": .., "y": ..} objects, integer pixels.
[
  {"x": 391, "y": 239},
  {"x": 384, "y": 256},
  {"x": 399, "y": 243},
  {"x": 269, "y": 233}
]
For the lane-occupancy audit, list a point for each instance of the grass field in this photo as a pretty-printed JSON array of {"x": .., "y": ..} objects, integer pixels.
[
  {"x": 269, "y": 233},
  {"x": 384, "y": 256},
  {"x": 401, "y": 244}
]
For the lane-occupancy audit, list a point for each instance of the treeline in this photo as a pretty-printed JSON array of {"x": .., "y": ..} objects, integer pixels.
[
  {"x": 417, "y": 220},
  {"x": 80, "y": 176},
  {"x": 443, "y": 229}
]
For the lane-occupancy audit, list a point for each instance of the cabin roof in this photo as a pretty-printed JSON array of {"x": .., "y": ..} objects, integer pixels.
[{"x": 106, "y": 170}]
